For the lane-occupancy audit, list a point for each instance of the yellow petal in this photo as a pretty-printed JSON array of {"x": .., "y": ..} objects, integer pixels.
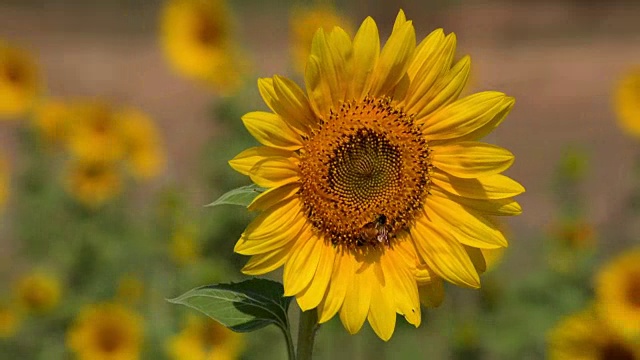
[
  {"x": 467, "y": 225},
  {"x": 303, "y": 263},
  {"x": 432, "y": 293},
  {"x": 273, "y": 196},
  {"x": 366, "y": 50},
  {"x": 286, "y": 99},
  {"x": 267, "y": 262},
  {"x": 275, "y": 171},
  {"x": 401, "y": 19},
  {"x": 382, "y": 314},
  {"x": 341, "y": 278},
  {"x": 341, "y": 51},
  {"x": 318, "y": 89},
  {"x": 248, "y": 245},
  {"x": 248, "y": 158},
  {"x": 471, "y": 159},
  {"x": 444, "y": 254},
  {"x": 400, "y": 281},
  {"x": 321, "y": 77},
  {"x": 274, "y": 220},
  {"x": 310, "y": 297},
  {"x": 477, "y": 258},
  {"x": 488, "y": 127},
  {"x": 270, "y": 130},
  {"x": 487, "y": 187},
  {"x": 465, "y": 115},
  {"x": 446, "y": 89},
  {"x": 498, "y": 207},
  {"x": 394, "y": 60},
  {"x": 357, "y": 300}
]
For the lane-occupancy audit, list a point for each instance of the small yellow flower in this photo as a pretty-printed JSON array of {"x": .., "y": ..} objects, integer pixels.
[
  {"x": 9, "y": 320},
  {"x": 38, "y": 293},
  {"x": 627, "y": 101},
  {"x": 20, "y": 81},
  {"x": 93, "y": 182},
  {"x": 144, "y": 152},
  {"x": 378, "y": 186},
  {"x": 304, "y": 23},
  {"x": 618, "y": 293},
  {"x": 94, "y": 132},
  {"x": 130, "y": 289},
  {"x": 205, "y": 339},
  {"x": 51, "y": 121},
  {"x": 583, "y": 336},
  {"x": 106, "y": 332},
  {"x": 184, "y": 248},
  {"x": 198, "y": 42}
]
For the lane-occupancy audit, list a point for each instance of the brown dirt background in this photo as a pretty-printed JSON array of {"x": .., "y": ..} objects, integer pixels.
[{"x": 560, "y": 60}]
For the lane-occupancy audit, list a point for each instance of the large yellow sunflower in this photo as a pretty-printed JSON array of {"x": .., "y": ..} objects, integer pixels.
[
  {"x": 20, "y": 81},
  {"x": 627, "y": 101},
  {"x": 106, "y": 332},
  {"x": 205, "y": 339},
  {"x": 583, "y": 336},
  {"x": 375, "y": 180},
  {"x": 618, "y": 293}
]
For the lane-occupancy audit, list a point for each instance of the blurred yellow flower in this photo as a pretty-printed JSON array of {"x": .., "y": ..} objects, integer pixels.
[
  {"x": 51, "y": 121},
  {"x": 304, "y": 23},
  {"x": 378, "y": 184},
  {"x": 94, "y": 132},
  {"x": 130, "y": 289},
  {"x": 184, "y": 249},
  {"x": 618, "y": 293},
  {"x": 627, "y": 101},
  {"x": 20, "y": 81},
  {"x": 106, "y": 332},
  {"x": 144, "y": 153},
  {"x": 9, "y": 320},
  {"x": 198, "y": 42},
  {"x": 38, "y": 293},
  {"x": 93, "y": 182},
  {"x": 583, "y": 336},
  {"x": 205, "y": 339}
]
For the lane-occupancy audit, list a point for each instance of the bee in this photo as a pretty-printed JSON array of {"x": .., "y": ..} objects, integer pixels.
[{"x": 375, "y": 232}]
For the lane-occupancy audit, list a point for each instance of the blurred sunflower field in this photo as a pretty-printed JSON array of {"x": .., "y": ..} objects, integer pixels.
[{"x": 121, "y": 120}]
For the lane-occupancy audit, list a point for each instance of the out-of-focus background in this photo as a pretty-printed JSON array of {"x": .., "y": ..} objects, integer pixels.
[{"x": 145, "y": 236}]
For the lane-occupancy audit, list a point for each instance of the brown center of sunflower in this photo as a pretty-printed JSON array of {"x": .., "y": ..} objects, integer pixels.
[
  {"x": 365, "y": 172},
  {"x": 13, "y": 73},
  {"x": 616, "y": 351},
  {"x": 207, "y": 30},
  {"x": 109, "y": 337},
  {"x": 212, "y": 334},
  {"x": 633, "y": 290}
]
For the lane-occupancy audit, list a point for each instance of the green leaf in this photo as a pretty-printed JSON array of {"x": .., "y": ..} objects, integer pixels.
[
  {"x": 242, "y": 196},
  {"x": 242, "y": 307}
]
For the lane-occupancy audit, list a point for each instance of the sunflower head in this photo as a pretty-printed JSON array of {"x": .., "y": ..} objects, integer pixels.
[
  {"x": 144, "y": 154},
  {"x": 203, "y": 339},
  {"x": 377, "y": 185},
  {"x": 618, "y": 293},
  {"x": 38, "y": 292},
  {"x": 304, "y": 22},
  {"x": 20, "y": 81},
  {"x": 198, "y": 40},
  {"x": 93, "y": 182},
  {"x": 627, "y": 101},
  {"x": 94, "y": 132},
  {"x": 584, "y": 336},
  {"x": 106, "y": 331}
]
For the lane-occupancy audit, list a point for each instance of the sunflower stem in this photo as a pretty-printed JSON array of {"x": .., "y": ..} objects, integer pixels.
[{"x": 307, "y": 333}]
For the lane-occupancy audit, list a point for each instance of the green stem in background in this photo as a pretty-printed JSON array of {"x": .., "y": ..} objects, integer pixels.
[
  {"x": 290, "y": 350},
  {"x": 306, "y": 333}
]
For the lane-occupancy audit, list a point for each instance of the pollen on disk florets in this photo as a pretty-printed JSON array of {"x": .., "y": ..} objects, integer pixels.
[{"x": 365, "y": 167}]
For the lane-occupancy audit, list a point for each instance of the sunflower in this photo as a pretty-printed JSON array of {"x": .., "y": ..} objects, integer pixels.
[
  {"x": 618, "y": 293},
  {"x": 627, "y": 101},
  {"x": 9, "y": 320},
  {"x": 583, "y": 336},
  {"x": 38, "y": 292},
  {"x": 205, "y": 339},
  {"x": 375, "y": 181},
  {"x": 93, "y": 182},
  {"x": 144, "y": 153},
  {"x": 303, "y": 24},
  {"x": 94, "y": 132},
  {"x": 106, "y": 332},
  {"x": 198, "y": 42},
  {"x": 20, "y": 81},
  {"x": 51, "y": 121}
]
